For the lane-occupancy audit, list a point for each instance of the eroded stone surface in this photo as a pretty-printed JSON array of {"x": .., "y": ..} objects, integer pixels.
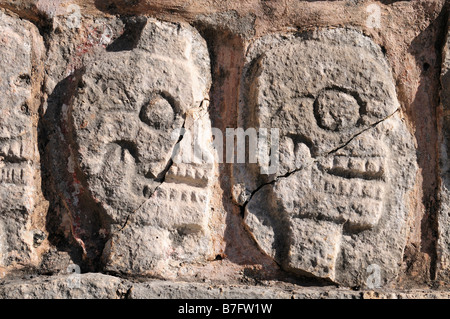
[
  {"x": 343, "y": 205},
  {"x": 22, "y": 207},
  {"x": 75, "y": 220},
  {"x": 409, "y": 34},
  {"x": 443, "y": 248},
  {"x": 123, "y": 131},
  {"x": 99, "y": 286}
]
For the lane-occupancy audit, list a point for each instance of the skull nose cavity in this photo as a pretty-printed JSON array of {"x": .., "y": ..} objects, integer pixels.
[
  {"x": 158, "y": 113},
  {"x": 335, "y": 110}
]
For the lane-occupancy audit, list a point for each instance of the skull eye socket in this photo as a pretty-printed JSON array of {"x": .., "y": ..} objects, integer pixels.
[
  {"x": 158, "y": 113},
  {"x": 336, "y": 110}
]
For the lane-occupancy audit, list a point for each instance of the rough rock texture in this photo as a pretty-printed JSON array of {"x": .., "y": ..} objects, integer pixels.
[
  {"x": 22, "y": 206},
  {"x": 444, "y": 213},
  {"x": 128, "y": 152},
  {"x": 114, "y": 116},
  {"x": 338, "y": 202},
  {"x": 98, "y": 286},
  {"x": 75, "y": 219}
]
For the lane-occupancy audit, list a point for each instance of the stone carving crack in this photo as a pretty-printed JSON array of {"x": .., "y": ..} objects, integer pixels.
[
  {"x": 162, "y": 176},
  {"x": 161, "y": 179},
  {"x": 314, "y": 161},
  {"x": 361, "y": 132}
]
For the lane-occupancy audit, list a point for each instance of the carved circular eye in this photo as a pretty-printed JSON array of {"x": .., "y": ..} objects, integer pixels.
[
  {"x": 158, "y": 113},
  {"x": 335, "y": 110}
]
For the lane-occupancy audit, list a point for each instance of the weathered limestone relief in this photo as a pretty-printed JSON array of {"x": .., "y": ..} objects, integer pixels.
[
  {"x": 338, "y": 201},
  {"x": 128, "y": 129},
  {"x": 114, "y": 148},
  {"x": 22, "y": 206}
]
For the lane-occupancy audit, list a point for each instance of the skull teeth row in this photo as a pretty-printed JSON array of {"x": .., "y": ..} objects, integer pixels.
[
  {"x": 364, "y": 168},
  {"x": 190, "y": 172},
  {"x": 12, "y": 175},
  {"x": 185, "y": 196},
  {"x": 353, "y": 188},
  {"x": 12, "y": 149}
]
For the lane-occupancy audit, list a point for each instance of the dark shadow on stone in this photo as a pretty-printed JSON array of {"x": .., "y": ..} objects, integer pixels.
[
  {"x": 427, "y": 51},
  {"x": 47, "y": 129},
  {"x": 107, "y": 6},
  {"x": 131, "y": 35},
  {"x": 58, "y": 185}
]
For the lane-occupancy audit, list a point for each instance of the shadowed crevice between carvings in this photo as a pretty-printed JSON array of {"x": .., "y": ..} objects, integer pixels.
[
  {"x": 72, "y": 210},
  {"x": 424, "y": 114}
]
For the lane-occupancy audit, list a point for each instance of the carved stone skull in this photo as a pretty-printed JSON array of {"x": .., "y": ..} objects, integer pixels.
[
  {"x": 128, "y": 105},
  {"x": 338, "y": 202}
]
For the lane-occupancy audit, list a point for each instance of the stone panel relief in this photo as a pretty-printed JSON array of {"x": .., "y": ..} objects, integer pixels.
[
  {"x": 124, "y": 128},
  {"x": 22, "y": 207},
  {"x": 338, "y": 202},
  {"x": 102, "y": 109}
]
